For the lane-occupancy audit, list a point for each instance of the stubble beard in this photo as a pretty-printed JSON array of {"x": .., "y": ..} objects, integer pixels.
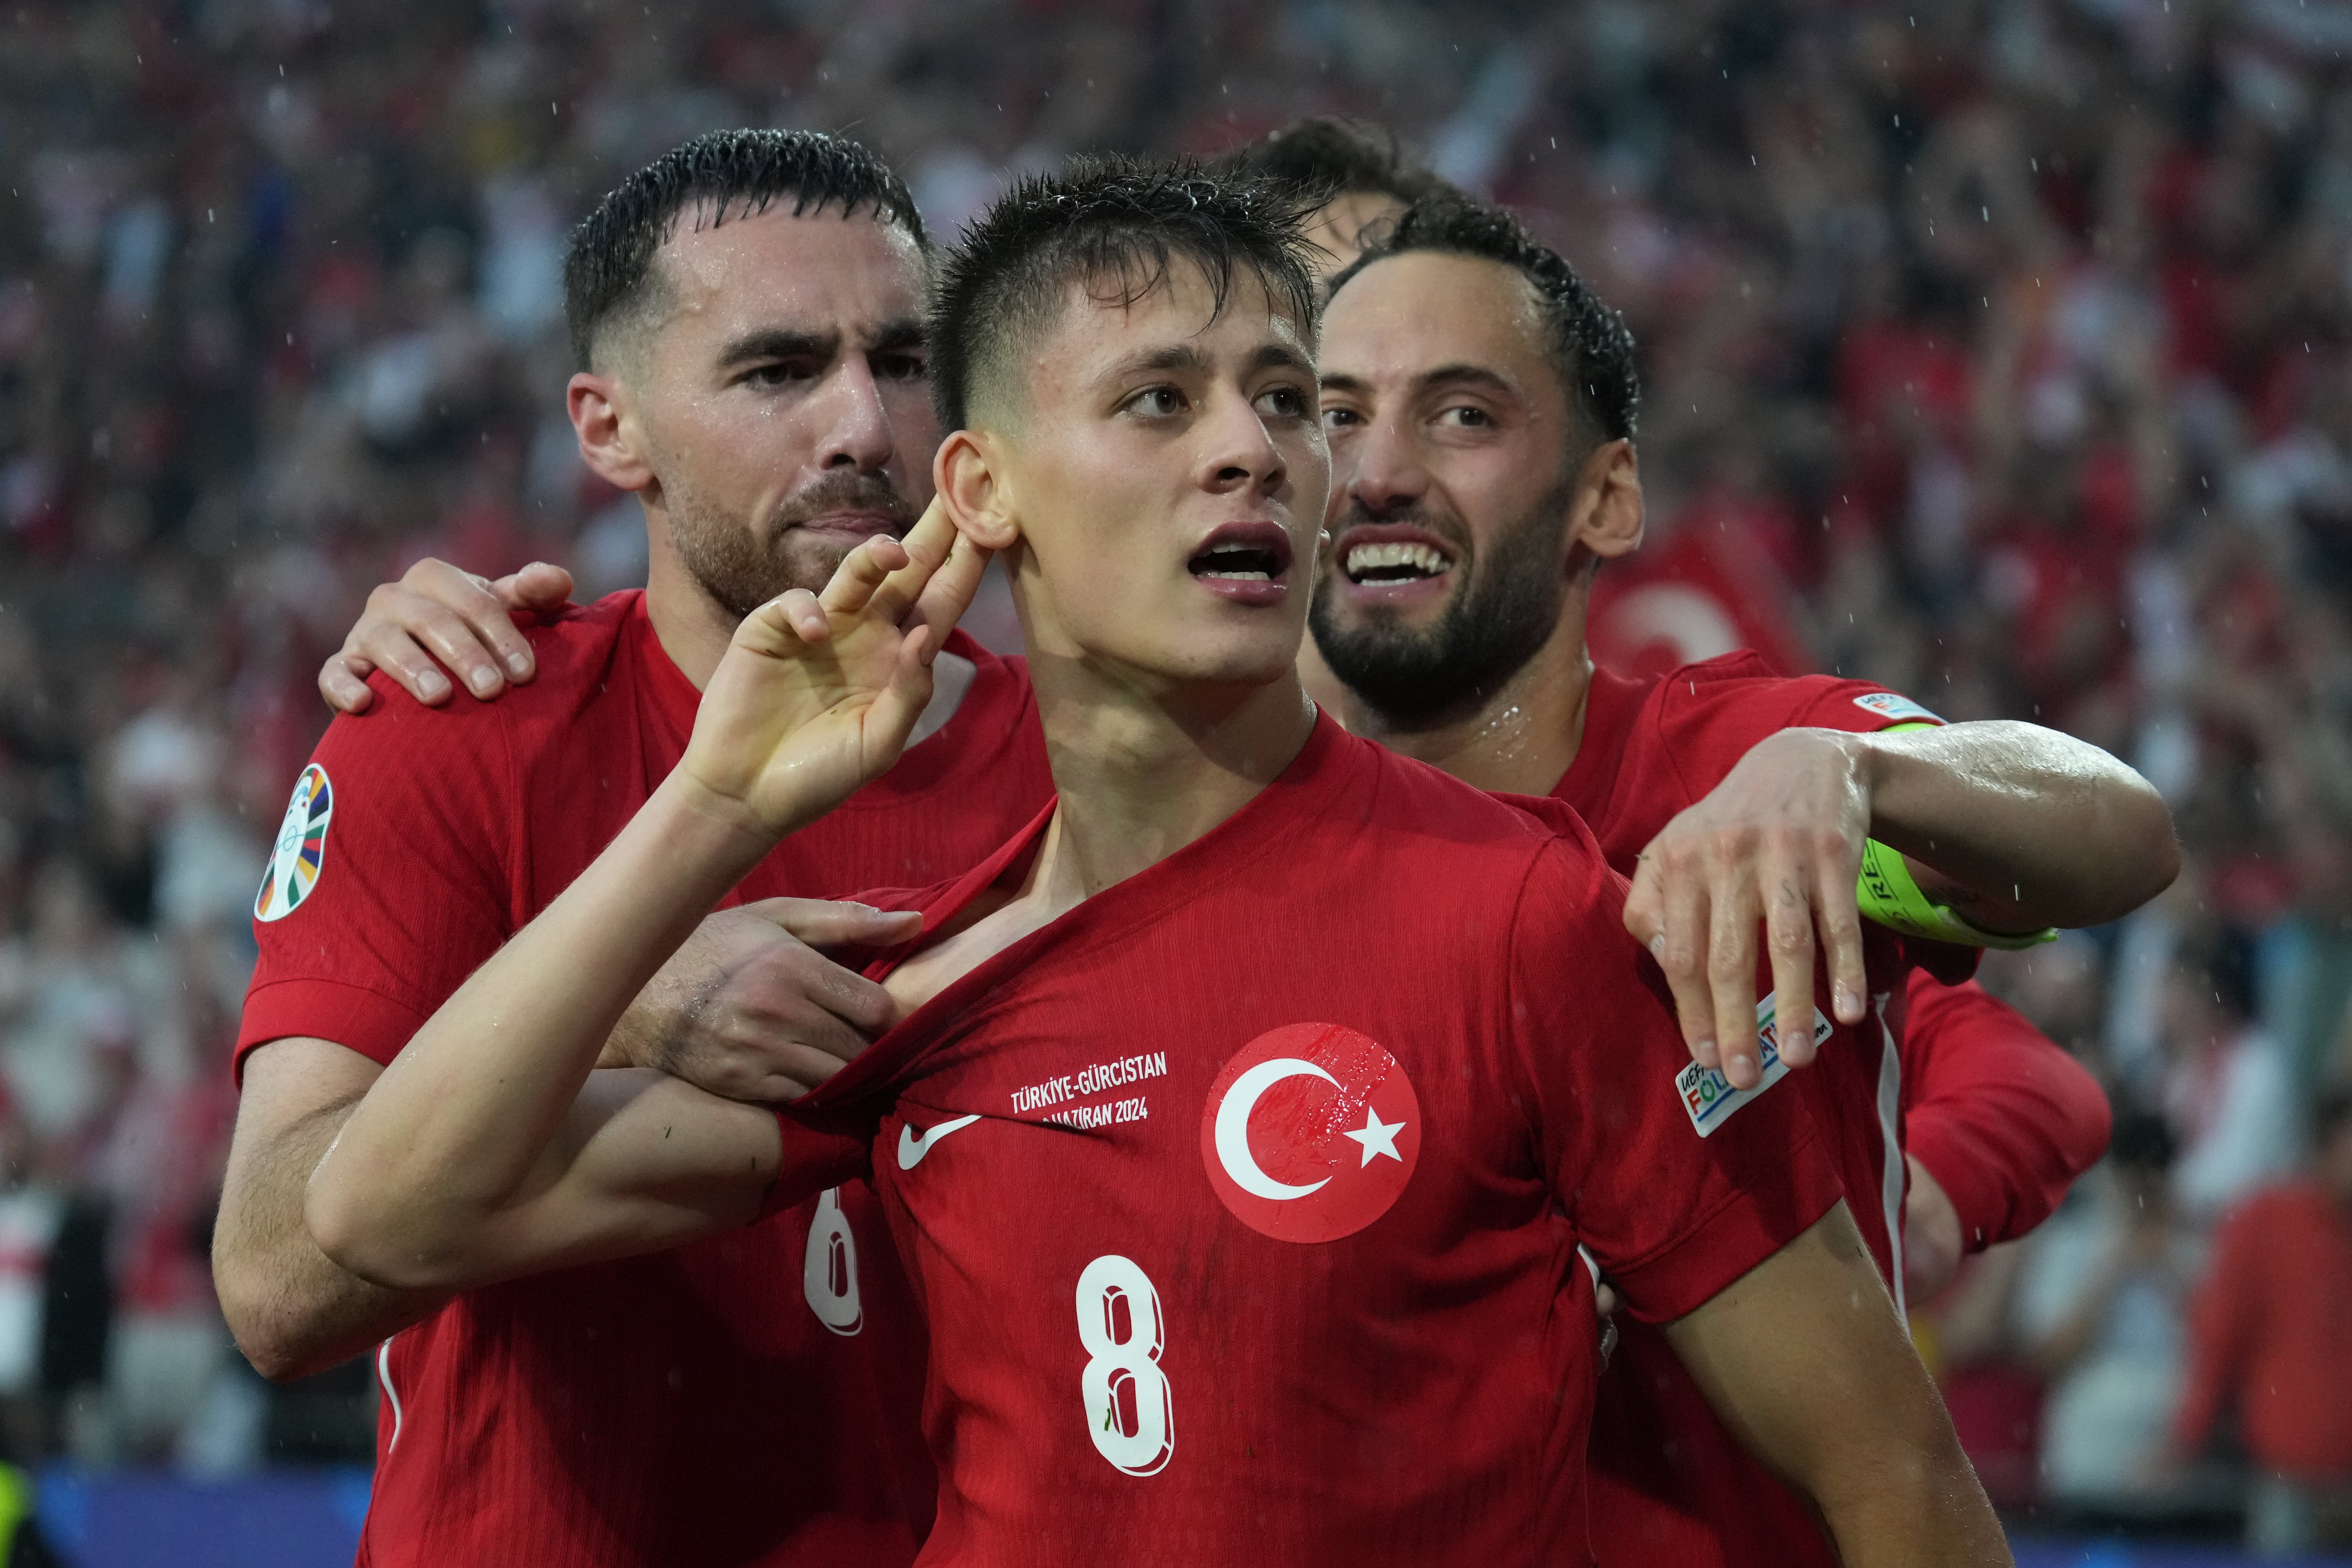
[
  {"x": 1487, "y": 632},
  {"x": 742, "y": 567}
]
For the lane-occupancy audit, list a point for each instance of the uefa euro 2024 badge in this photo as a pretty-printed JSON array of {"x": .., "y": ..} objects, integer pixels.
[{"x": 302, "y": 849}]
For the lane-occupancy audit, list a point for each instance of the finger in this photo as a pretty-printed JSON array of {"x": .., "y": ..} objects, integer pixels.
[
  {"x": 1646, "y": 915},
  {"x": 400, "y": 619},
  {"x": 342, "y": 681},
  {"x": 950, "y": 592},
  {"x": 540, "y": 586},
  {"x": 1733, "y": 919},
  {"x": 834, "y": 922},
  {"x": 1680, "y": 948},
  {"x": 476, "y": 603},
  {"x": 891, "y": 717},
  {"x": 1604, "y": 1299},
  {"x": 1838, "y": 913},
  {"x": 395, "y": 653},
  {"x": 861, "y": 574},
  {"x": 1789, "y": 941},
  {"x": 928, "y": 546}
]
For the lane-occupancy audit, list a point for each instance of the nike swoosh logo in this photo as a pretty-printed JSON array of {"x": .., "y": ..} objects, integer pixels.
[{"x": 911, "y": 1149}]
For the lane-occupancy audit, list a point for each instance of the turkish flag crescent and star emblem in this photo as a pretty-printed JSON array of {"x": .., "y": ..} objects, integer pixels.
[{"x": 1310, "y": 1132}]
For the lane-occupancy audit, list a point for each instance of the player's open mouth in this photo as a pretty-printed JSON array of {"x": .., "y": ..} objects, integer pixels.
[
  {"x": 1386, "y": 562},
  {"x": 1248, "y": 561}
]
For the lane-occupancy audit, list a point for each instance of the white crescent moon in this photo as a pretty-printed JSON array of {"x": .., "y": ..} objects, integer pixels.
[{"x": 1232, "y": 1126}]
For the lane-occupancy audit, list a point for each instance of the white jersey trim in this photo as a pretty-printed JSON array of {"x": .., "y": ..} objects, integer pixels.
[
  {"x": 1890, "y": 1134},
  {"x": 384, "y": 1376}
]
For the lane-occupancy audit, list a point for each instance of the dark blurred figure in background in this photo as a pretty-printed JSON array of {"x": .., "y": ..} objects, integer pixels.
[{"x": 2267, "y": 1329}]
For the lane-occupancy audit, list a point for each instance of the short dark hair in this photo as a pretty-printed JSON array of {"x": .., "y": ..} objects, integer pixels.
[
  {"x": 608, "y": 271},
  {"x": 1590, "y": 344},
  {"x": 1116, "y": 225},
  {"x": 1337, "y": 157}
]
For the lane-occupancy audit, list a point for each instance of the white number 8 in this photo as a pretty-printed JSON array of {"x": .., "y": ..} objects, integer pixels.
[{"x": 1129, "y": 1414}]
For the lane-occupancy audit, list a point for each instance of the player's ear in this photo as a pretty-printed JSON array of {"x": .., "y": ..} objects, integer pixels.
[
  {"x": 969, "y": 472},
  {"x": 1605, "y": 512},
  {"x": 595, "y": 403}
]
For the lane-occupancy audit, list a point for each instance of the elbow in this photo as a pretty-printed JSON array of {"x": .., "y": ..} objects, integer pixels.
[
  {"x": 281, "y": 1342},
  {"x": 364, "y": 1241},
  {"x": 2148, "y": 857}
]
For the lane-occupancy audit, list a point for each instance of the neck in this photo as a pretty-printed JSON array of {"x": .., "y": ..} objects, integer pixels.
[
  {"x": 693, "y": 628},
  {"x": 1142, "y": 772},
  {"x": 1520, "y": 737}
]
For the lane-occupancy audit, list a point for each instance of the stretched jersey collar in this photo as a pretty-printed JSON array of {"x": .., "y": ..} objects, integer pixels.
[{"x": 1273, "y": 819}]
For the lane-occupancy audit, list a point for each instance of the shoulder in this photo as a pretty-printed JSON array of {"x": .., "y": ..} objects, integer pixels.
[
  {"x": 575, "y": 649},
  {"x": 1739, "y": 699},
  {"x": 1530, "y": 857}
]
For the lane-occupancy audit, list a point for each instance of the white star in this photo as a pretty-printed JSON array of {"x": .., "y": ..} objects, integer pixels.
[{"x": 1378, "y": 1137}]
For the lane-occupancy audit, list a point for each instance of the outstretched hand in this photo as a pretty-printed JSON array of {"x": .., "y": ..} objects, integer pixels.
[{"x": 818, "y": 692}]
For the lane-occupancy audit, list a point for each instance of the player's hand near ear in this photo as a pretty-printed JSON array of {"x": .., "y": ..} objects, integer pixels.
[
  {"x": 485, "y": 1150},
  {"x": 818, "y": 692}
]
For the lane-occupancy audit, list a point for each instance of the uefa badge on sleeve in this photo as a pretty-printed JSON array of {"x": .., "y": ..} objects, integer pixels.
[{"x": 302, "y": 849}]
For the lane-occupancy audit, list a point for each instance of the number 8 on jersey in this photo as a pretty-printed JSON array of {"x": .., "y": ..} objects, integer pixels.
[{"x": 1129, "y": 1414}]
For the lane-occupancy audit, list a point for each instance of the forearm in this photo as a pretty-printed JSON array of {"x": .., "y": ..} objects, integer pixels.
[
  {"x": 2029, "y": 826},
  {"x": 293, "y": 1311},
  {"x": 1806, "y": 1361},
  {"x": 456, "y": 1132}
]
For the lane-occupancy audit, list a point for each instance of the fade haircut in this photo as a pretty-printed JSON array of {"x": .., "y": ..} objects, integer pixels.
[
  {"x": 1113, "y": 225},
  {"x": 1338, "y": 157},
  {"x": 1588, "y": 344},
  {"x": 609, "y": 274}
]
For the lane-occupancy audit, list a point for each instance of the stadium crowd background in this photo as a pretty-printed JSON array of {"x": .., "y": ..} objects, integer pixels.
[{"x": 1997, "y": 349}]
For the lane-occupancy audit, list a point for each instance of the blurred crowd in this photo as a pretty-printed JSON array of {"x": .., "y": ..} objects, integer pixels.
[{"x": 1997, "y": 349}]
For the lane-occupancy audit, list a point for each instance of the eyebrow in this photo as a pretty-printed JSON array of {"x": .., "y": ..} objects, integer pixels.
[
  {"x": 782, "y": 342},
  {"x": 1187, "y": 356},
  {"x": 1444, "y": 375}
]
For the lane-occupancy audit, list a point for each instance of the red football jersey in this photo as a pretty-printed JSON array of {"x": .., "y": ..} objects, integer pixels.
[
  {"x": 1669, "y": 1483},
  {"x": 733, "y": 1402},
  {"x": 1242, "y": 1198}
]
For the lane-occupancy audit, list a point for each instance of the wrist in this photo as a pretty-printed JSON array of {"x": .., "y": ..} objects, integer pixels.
[{"x": 711, "y": 822}]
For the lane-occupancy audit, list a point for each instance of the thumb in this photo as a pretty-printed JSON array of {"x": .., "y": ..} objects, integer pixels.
[
  {"x": 540, "y": 586},
  {"x": 833, "y": 923}
]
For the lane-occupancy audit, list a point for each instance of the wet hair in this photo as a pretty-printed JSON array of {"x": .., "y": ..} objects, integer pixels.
[
  {"x": 1115, "y": 225},
  {"x": 1336, "y": 157},
  {"x": 1589, "y": 344},
  {"x": 608, "y": 271}
]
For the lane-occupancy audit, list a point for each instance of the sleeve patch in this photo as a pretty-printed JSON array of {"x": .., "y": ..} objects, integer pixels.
[
  {"x": 1708, "y": 1096},
  {"x": 1896, "y": 709},
  {"x": 301, "y": 852}
]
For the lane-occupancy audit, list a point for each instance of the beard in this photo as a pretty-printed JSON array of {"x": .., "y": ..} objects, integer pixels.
[
  {"x": 1487, "y": 631},
  {"x": 743, "y": 567}
]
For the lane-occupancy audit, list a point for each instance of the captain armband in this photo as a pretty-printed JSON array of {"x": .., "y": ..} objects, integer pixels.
[{"x": 1889, "y": 894}]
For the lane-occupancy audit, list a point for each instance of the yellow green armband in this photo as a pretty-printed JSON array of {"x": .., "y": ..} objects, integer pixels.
[{"x": 1889, "y": 894}]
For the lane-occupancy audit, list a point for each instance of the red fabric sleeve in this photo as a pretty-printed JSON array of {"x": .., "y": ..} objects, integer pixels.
[
  {"x": 2220, "y": 1325},
  {"x": 2001, "y": 1116},
  {"x": 1673, "y": 1217},
  {"x": 411, "y": 895}
]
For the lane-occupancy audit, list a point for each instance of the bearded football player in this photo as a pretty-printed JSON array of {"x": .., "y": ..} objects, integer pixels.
[
  {"x": 1481, "y": 404},
  {"x": 748, "y": 315}
]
